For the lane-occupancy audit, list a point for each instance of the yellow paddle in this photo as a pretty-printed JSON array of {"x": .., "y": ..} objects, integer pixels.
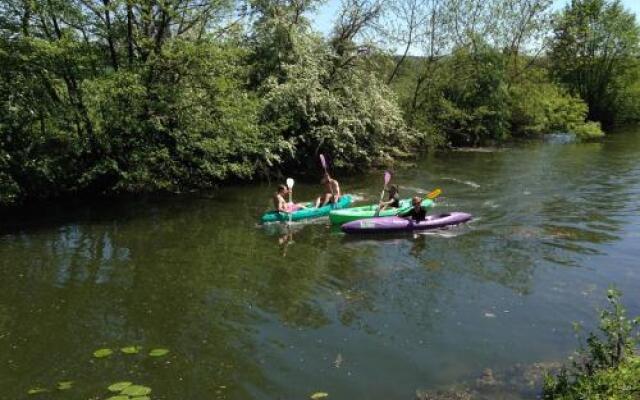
[{"x": 434, "y": 194}]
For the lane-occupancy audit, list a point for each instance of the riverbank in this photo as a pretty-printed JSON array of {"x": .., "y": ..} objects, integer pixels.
[{"x": 11, "y": 205}]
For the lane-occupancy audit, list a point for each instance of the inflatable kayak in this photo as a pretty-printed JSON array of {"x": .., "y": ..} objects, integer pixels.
[
  {"x": 306, "y": 213},
  {"x": 356, "y": 213},
  {"x": 398, "y": 224}
]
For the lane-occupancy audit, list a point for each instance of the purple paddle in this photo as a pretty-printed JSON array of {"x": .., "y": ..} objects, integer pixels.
[
  {"x": 323, "y": 162},
  {"x": 324, "y": 165},
  {"x": 387, "y": 179}
]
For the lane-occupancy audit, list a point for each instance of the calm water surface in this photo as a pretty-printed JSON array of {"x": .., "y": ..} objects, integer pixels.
[{"x": 249, "y": 314}]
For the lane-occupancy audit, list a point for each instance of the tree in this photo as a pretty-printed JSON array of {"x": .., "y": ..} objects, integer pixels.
[
  {"x": 520, "y": 29},
  {"x": 594, "y": 45}
]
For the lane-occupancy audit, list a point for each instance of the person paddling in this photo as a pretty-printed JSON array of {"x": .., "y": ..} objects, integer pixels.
[
  {"x": 331, "y": 191},
  {"x": 280, "y": 203},
  {"x": 394, "y": 199},
  {"x": 417, "y": 213}
]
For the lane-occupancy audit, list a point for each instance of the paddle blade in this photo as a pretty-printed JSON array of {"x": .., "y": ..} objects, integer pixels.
[
  {"x": 434, "y": 194},
  {"x": 323, "y": 162},
  {"x": 387, "y": 177},
  {"x": 290, "y": 183}
]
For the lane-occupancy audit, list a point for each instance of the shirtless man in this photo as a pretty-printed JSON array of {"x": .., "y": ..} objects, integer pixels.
[
  {"x": 331, "y": 191},
  {"x": 279, "y": 201}
]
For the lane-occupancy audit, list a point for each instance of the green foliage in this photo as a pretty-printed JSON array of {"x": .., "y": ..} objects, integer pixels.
[
  {"x": 628, "y": 103},
  {"x": 619, "y": 383},
  {"x": 594, "y": 48},
  {"x": 164, "y": 96},
  {"x": 9, "y": 189},
  {"x": 606, "y": 368},
  {"x": 104, "y": 97},
  {"x": 195, "y": 131},
  {"x": 475, "y": 98},
  {"x": 473, "y": 109},
  {"x": 462, "y": 97},
  {"x": 349, "y": 114},
  {"x": 539, "y": 106}
]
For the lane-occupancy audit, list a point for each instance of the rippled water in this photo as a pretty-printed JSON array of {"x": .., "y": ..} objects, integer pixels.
[{"x": 255, "y": 312}]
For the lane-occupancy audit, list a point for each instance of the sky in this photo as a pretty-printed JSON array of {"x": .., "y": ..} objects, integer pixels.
[{"x": 323, "y": 20}]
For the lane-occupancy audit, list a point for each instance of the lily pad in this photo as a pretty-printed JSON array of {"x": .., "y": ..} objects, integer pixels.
[
  {"x": 66, "y": 385},
  {"x": 37, "y": 390},
  {"x": 119, "y": 386},
  {"x": 136, "y": 390},
  {"x": 130, "y": 350},
  {"x": 158, "y": 352},
  {"x": 118, "y": 397},
  {"x": 101, "y": 353},
  {"x": 319, "y": 395}
]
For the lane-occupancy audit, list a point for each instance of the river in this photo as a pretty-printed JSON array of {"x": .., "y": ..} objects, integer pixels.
[{"x": 248, "y": 313}]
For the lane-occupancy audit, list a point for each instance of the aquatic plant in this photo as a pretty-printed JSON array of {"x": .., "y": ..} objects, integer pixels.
[
  {"x": 102, "y": 353},
  {"x": 65, "y": 385},
  {"x": 119, "y": 386},
  {"x": 131, "y": 349},
  {"x": 158, "y": 352}
]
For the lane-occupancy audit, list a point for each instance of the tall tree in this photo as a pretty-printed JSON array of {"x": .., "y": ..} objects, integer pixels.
[
  {"x": 405, "y": 28},
  {"x": 594, "y": 44}
]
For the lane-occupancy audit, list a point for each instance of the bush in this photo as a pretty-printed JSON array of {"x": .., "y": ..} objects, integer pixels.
[
  {"x": 472, "y": 109},
  {"x": 349, "y": 113},
  {"x": 605, "y": 367},
  {"x": 9, "y": 189},
  {"x": 539, "y": 106}
]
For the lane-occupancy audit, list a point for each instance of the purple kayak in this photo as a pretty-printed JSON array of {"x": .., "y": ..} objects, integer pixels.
[{"x": 397, "y": 224}]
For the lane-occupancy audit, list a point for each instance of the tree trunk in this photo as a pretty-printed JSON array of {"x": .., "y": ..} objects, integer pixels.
[
  {"x": 26, "y": 16},
  {"x": 399, "y": 63},
  {"x": 129, "y": 32},
  {"x": 112, "y": 48}
]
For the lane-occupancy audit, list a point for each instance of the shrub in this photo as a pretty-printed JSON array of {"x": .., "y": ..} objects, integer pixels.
[{"x": 605, "y": 367}]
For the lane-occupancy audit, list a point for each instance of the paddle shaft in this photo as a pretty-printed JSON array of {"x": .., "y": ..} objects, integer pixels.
[
  {"x": 290, "y": 186},
  {"x": 324, "y": 166},
  {"x": 387, "y": 178},
  {"x": 290, "y": 205}
]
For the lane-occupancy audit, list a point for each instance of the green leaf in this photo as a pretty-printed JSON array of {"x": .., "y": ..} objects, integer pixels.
[
  {"x": 119, "y": 386},
  {"x": 130, "y": 350},
  {"x": 141, "y": 398},
  {"x": 37, "y": 390},
  {"x": 118, "y": 397},
  {"x": 66, "y": 385},
  {"x": 158, "y": 352},
  {"x": 101, "y": 353},
  {"x": 136, "y": 390}
]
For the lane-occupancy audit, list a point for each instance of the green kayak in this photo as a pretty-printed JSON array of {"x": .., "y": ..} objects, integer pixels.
[
  {"x": 340, "y": 217},
  {"x": 306, "y": 213}
]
